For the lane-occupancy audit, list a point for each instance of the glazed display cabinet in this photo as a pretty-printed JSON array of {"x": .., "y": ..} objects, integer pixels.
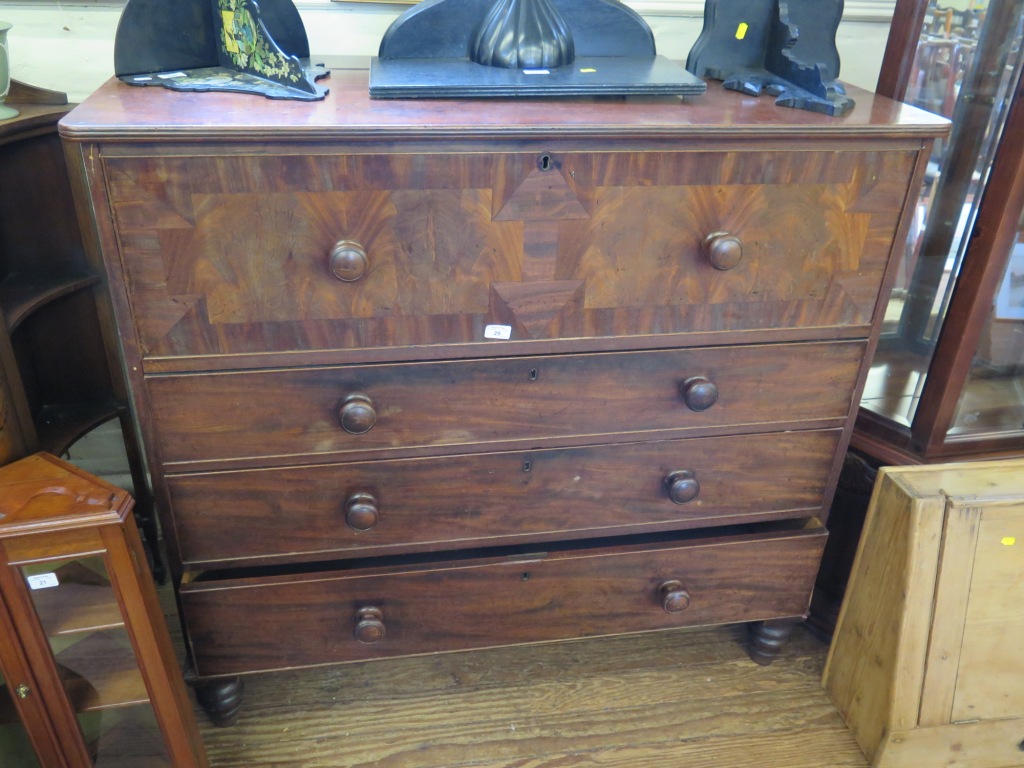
[
  {"x": 88, "y": 676},
  {"x": 947, "y": 381},
  {"x": 948, "y": 378}
]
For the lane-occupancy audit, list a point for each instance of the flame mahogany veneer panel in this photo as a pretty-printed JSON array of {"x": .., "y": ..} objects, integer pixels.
[{"x": 228, "y": 255}]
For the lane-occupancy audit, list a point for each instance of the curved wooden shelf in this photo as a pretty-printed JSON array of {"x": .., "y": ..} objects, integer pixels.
[
  {"x": 24, "y": 93},
  {"x": 22, "y": 294},
  {"x": 83, "y": 602},
  {"x": 39, "y": 110},
  {"x": 34, "y": 119},
  {"x": 60, "y": 425},
  {"x": 100, "y": 672},
  {"x": 133, "y": 742}
]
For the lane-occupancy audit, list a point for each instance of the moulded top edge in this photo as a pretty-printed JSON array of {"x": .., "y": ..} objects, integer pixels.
[{"x": 135, "y": 113}]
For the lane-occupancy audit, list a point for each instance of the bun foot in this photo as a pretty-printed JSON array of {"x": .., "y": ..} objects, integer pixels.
[
  {"x": 767, "y": 639},
  {"x": 221, "y": 700}
]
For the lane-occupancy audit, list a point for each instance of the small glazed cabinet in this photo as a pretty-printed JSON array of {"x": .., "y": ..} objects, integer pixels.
[
  {"x": 421, "y": 376},
  {"x": 88, "y": 676}
]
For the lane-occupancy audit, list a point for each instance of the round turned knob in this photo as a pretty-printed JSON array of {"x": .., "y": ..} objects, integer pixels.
[
  {"x": 673, "y": 597},
  {"x": 682, "y": 486},
  {"x": 361, "y": 512},
  {"x": 348, "y": 261},
  {"x": 699, "y": 393},
  {"x": 369, "y": 625},
  {"x": 723, "y": 251},
  {"x": 357, "y": 414}
]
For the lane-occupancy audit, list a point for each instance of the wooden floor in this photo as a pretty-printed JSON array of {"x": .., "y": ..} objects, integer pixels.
[
  {"x": 691, "y": 699},
  {"x": 659, "y": 700}
]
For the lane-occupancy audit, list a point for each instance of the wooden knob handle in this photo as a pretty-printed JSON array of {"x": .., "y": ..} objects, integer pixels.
[
  {"x": 682, "y": 486},
  {"x": 673, "y": 597},
  {"x": 361, "y": 512},
  {"x": 369, "y": 625},
  {"x": 699, "y": 393},
  {"x": 357, "y": 413},
  {"x": 723, "y": 251},
  {"x": 348, "y": 261}
]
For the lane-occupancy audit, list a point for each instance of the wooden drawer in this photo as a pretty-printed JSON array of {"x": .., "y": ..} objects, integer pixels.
[
  {"x": 278, "y": 415},
  {"x": 312, "y": 618},
  {"x": 497, "y": 498},
  {"x": 233, "y": 255}
]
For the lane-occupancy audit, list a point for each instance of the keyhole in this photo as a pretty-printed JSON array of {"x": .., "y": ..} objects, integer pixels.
[
  {"x": 527, "y": 466},
  {"x": 526, "y": 576},
  {"x": 533, "y": 374},
  {"x": 544, "y": 162}
]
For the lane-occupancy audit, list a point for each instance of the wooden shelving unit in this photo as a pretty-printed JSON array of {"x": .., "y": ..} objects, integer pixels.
[
  {"x": 58, "y": 360},
  {"x": 21, "y": 294}
]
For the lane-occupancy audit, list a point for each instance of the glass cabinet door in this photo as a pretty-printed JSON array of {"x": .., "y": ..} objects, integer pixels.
[
  {"x": 15, "y": 747},
  {"x": 27, "y": 738},
  {"x": 80, "y": 616},
  {"x": 925, "y": 395},
  {"x": 992, "y": 402}
]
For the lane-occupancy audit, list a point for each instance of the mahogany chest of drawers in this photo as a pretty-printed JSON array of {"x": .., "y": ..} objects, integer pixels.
[{"x": 424, "y": 376}]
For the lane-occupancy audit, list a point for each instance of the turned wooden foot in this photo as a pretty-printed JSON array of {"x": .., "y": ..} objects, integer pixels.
[
  {"x": 768, "y": 637},
  {"x": 221, "y": 699}
]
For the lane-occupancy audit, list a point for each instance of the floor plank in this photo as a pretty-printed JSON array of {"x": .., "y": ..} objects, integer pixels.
[{"x": 662, "y": 699}]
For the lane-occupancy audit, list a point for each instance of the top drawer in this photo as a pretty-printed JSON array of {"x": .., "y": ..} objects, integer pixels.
[{"x": 250, "y": 254}]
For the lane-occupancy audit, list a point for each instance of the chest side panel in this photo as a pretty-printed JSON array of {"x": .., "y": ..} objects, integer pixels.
[{"x": 987, "y": 685}]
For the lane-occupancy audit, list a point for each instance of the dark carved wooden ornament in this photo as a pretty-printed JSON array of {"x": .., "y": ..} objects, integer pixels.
[
  {"x": 473, "y": 48},
  {"x": 785, "y": 48}
]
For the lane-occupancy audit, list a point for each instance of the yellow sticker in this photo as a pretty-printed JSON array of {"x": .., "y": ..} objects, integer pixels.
[
  {"x": 741, "y": 30},
  {"x": 588, "y": 70},
  {"x": 229, "y": 31},
  {"x": 1008, "y": 541}
]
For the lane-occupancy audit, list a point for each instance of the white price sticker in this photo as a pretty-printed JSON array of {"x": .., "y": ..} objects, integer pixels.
[
  {"x": 43, "y": 581},
  {"x": 498, "y": 332}
]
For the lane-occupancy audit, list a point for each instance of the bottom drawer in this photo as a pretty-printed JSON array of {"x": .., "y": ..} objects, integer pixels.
[{"x": 276, "y": 622}]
